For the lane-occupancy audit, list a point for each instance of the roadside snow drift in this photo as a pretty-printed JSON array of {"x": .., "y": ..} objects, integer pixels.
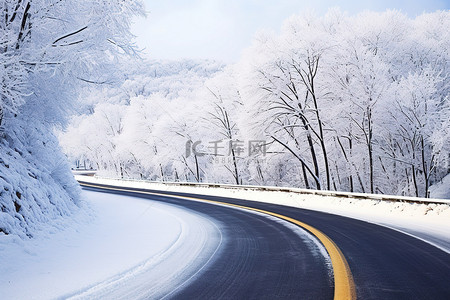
[{"x": 36, "y": 184}]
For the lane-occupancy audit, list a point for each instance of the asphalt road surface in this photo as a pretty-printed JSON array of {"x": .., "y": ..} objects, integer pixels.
[{"x": 265, "y": 259}]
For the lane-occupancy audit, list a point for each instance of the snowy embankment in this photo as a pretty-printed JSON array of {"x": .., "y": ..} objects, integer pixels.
[
  {"x": 441, "y": 189},
  {"x": 150, "y": 248},
  {"x": 427, "y": 221},
  {"x": 36, "y": 185}
]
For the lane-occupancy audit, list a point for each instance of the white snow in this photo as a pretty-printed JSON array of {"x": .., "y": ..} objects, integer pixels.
[
  {"x": 148, "y": 246},
  {"x": 429, "y": 222},
  {"x": 441, "y": 189},
  {"x": 36, "y": 185}
]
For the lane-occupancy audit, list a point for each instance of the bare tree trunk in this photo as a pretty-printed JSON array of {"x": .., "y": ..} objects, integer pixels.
[
  {"x": 1, "y": 117},
  {"x": 424, "y": 167},
  {"x": 351, "y": 183},
  {"x": 197, "y": 169},
  {"x": 162, "y": 172},
  {"x": 352, "y": 189},
  {"x": 305, "y": 176},
  {"x": 350, "y": 143},
  {"x": 416, "y": 190},
  {"x": 24, "y": 25},
  {"x": 236, "y": 173},
  {"x": 371, "y": 168},
  {"x": 370, "y": 149},
  {"x": 260, "y": 173},
  {"x": 233, "y": 154},
  {"x": 361, "y": 183},
  {"x": 337, "y": 175},
  {"x": 312, "y": 150},
  {"x": 321, "y": 139}
]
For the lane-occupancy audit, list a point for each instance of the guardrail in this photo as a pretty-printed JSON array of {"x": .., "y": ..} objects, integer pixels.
[
  {"x": 84, "y": 172},
  {"x": 377, "y": 197}
]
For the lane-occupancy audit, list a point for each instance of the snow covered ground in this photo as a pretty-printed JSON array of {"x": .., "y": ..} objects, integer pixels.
[
  {"x": 429, "y": 222},
  {"x": 441, "y": 189},
  {"x": 147, "y": 246}
]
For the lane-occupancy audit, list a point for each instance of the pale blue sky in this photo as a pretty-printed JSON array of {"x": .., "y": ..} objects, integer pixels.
[{"x": 221, "y": 29}]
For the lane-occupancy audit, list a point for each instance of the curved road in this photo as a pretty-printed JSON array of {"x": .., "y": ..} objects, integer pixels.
[{"x": 264, "y": 259}]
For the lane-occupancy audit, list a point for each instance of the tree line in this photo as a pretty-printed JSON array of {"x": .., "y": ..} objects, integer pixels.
[{"x": 349, "y": 103}]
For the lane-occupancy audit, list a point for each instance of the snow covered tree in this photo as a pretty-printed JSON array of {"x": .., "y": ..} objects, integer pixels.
[
  {"x": 222, "y": 106},
  {"x": 417, "y": 113},
  {"x": 60, "y": 41},
  {"x": 49, "y": 49},
  {"x": 155, "y": 130},
  {"x": 352, "y": 103},
  {"x": 291, "y": 93}
]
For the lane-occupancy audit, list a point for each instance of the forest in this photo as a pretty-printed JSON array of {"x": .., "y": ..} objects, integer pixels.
[{"x": 348, "y": 103}]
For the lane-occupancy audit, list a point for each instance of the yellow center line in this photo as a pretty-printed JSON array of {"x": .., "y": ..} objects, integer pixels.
[{"x": 344, "y": 286}]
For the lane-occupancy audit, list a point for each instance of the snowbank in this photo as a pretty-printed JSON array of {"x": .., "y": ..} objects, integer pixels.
[
  {"x": 441, "y": 189},
  {"x": 148, "y": 247},
  {"x": 427, "y": 221},
  {"x": 36, "y": 185}
]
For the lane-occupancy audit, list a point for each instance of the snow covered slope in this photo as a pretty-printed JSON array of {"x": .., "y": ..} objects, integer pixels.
[
  {"x": 441, "y": 189},
  {"x": 36, "y": 185}
]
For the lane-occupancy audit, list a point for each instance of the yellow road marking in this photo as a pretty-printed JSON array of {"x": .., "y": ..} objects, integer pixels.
[{"x": 344, "y": 286}]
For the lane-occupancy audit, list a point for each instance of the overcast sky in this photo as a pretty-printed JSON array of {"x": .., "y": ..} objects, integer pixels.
[{"x": 221, "y": 29}]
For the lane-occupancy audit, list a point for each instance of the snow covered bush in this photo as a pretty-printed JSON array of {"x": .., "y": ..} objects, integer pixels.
[{"x": 49, "y": 50}]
